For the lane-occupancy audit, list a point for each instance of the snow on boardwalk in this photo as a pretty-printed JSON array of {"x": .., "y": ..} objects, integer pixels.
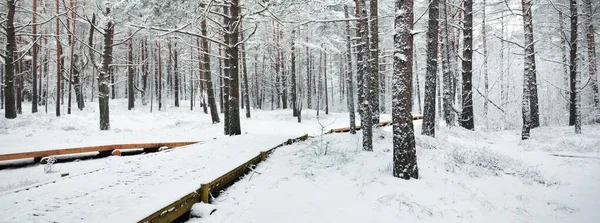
[{"x": 128, "y": 189}]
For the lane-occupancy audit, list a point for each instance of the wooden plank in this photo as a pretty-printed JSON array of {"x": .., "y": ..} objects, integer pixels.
[
  {"x": 44, "y": 153},
  {"x": 174, "y": 210}
]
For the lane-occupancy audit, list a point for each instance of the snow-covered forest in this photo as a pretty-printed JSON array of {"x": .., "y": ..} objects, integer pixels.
[{"x": 418, "y": 110}]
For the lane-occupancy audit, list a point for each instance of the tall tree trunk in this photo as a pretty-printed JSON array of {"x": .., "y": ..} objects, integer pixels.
[
  {"x": 71, "y": 60},
  {"x": 207, "y": 74},
  {"x": 325, "y": 82},
  {"x": 293, "y": 72},
  {"x": 374, "y": 61},
  {"x": 246, "y": 96},
  {"x": 10, "y": 110},
  {"x": 103, "y": 89},
  {"x": 574, "y": 117},
  {"x": 486, "y": 88},
  {"x": 565, "y": 58},
  {"x": 227, "y": 65},
  {"x": 234, "y": 72},
  {"x": 34, "y": 67},
  {"x": 591, "y": 50},
  {"x": 447, "y": 69},
  {"x": 176, "y": 75},
  {"x": 309, "y": 77},
  {"x": 160, "y": 76},
  {"x": 405, "y": 157},
  {"x": 364, "y": 77},
  {"x": 466, "y": 118},
  {"x": 428, "y": 127},
  {"x": 130, "y": 88},
  {"x": 221, "y": 81},
  {"x": 349, "y": 74},
  {"x": 529, "y": 67},
  {"x": 58, "y": 60}
]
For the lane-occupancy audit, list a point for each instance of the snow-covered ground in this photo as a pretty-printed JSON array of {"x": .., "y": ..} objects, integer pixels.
[{"x": 465, "y": 177}]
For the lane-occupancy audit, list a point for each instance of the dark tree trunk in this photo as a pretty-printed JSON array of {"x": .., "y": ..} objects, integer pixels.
[
  {"x": 227, "y": 65},
  {"x": 325, "y": 83},
  {"x": 58, "y": 61},
  {"x": 466, "y": 118},
  {"x": 176, "y": 75},
  {"x": 591, "y": 51},
  {"x": 34, "y": 67},
  {"x": 221, "y": 82},
  {"x": 349, "y": 75},
  {"x": 574, "y": 115},
  {"x": 130, "y": 88},
  {"x": 529, "y": 68},
  {"x": 428, "y": 127},
  {"x": 234, "y": 72},
  {"x": 374, "y": 61},
  {"x": 103, "y": 89},
  {"x": 214, "y": 114},
  {"x": 364, "y": 77},
  {"x": 10, "y": 109},
  {"x": 293, "y": 72},
  {"x": 160, "y": 78},
  {"x": 246, "y": 96},
  {"x": 405, "y": 157}
]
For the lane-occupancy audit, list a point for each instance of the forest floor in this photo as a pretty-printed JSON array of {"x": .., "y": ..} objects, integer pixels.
[{"x": 464, "y": 175}]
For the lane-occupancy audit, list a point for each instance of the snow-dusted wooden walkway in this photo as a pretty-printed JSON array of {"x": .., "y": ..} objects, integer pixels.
[{"x": 128, "y": 189}]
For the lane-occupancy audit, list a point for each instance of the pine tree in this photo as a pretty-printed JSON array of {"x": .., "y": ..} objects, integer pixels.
[
  {"x": 349, "y": 74},
  {"x": 10, "y": 110},
  {"x": 428, "y": 127},
  {"x": 466, "y": 118},
  {"x": 405, "y": 157}
]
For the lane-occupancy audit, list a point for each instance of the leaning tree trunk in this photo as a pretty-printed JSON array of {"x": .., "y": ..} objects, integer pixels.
[
  {"x": 349, "y": 76},
  {"x": 10, "y": 109},
  {"x": 428, "y": 127},
  {"x": 207, "y": 74},
  {"x": 405, "y": 157},
  {"x": 466, "y": 118},
  {"x": 246, "y": 96}
]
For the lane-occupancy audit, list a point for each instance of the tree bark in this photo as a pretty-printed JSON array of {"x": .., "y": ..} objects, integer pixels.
[
  {"x": 428, "y": 127},
  {"x": 349, "y": 74},
  {"x": 293, "y": 72},
  {"x": 103, "y": 89},
  {"x": 210, "y": 91},
  {"x": 130, "y": 85},
  {"x": 364, "y": 77},
  {"x": 374, "y": 61},
  {"x": 235, "y": 80},
  {"x": 58, "y": 61},
  {"x": 10, "y": 110},
  {"x": 574, "y": 116},
  {"x": 34, "y": 67},
  {"x": 467, "y": 119},
  {"x": 591, "y": 51},
  {"x": 529, "y": 68},
  {"x": 405, "y": 157}
]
